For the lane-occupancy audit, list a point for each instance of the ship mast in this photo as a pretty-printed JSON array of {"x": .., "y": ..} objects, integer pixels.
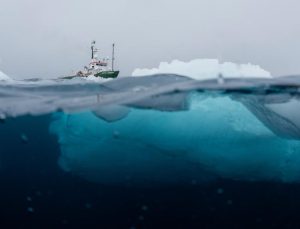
[
  {"x": 113, "y": 57},
  {"x": 93, "y": 48}
]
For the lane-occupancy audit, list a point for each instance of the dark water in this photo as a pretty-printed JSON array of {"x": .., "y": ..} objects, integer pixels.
[
  {"x": 36, "y": 193},
  {"x": 192, "y": 160}
]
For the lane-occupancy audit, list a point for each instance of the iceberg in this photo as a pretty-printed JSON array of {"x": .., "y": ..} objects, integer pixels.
[
  {"x": 4, "y": 77},
  {"x": 201, "y": 69},
  {"x": 155, "y": 134}
]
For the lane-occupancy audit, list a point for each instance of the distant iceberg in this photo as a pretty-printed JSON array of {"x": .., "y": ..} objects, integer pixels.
[
  {"x": 4, "y": 77},
  {"x": 201, "y": 69}
]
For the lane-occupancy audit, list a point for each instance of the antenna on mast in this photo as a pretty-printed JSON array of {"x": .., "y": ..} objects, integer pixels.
[{"x": 113, "y": 56}]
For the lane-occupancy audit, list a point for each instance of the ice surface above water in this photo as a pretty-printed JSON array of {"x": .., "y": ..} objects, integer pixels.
[
  {"x": 4, "y": 77},
  {"x": 201, "y": 69}
]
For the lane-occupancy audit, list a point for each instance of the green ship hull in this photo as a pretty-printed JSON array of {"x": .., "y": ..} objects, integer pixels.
[
  {"x": 107, "y": 74},
  {"x": 104, "y": 74}
]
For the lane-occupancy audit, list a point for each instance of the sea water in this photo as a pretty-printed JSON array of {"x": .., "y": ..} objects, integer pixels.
[{"x": 162, "y": 150}]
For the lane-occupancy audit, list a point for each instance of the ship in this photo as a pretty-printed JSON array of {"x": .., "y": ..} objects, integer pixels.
[{"x": 98, "y": 67}]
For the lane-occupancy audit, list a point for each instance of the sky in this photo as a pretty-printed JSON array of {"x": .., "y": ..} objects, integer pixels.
[{"x": 48, "y": 39}]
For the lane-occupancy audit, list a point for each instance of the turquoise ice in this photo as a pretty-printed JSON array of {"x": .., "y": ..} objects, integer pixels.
[{"x": 216, "y": 137}]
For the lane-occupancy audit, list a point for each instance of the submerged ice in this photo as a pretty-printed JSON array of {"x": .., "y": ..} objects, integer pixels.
[{"x": 216, "y": 137}]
